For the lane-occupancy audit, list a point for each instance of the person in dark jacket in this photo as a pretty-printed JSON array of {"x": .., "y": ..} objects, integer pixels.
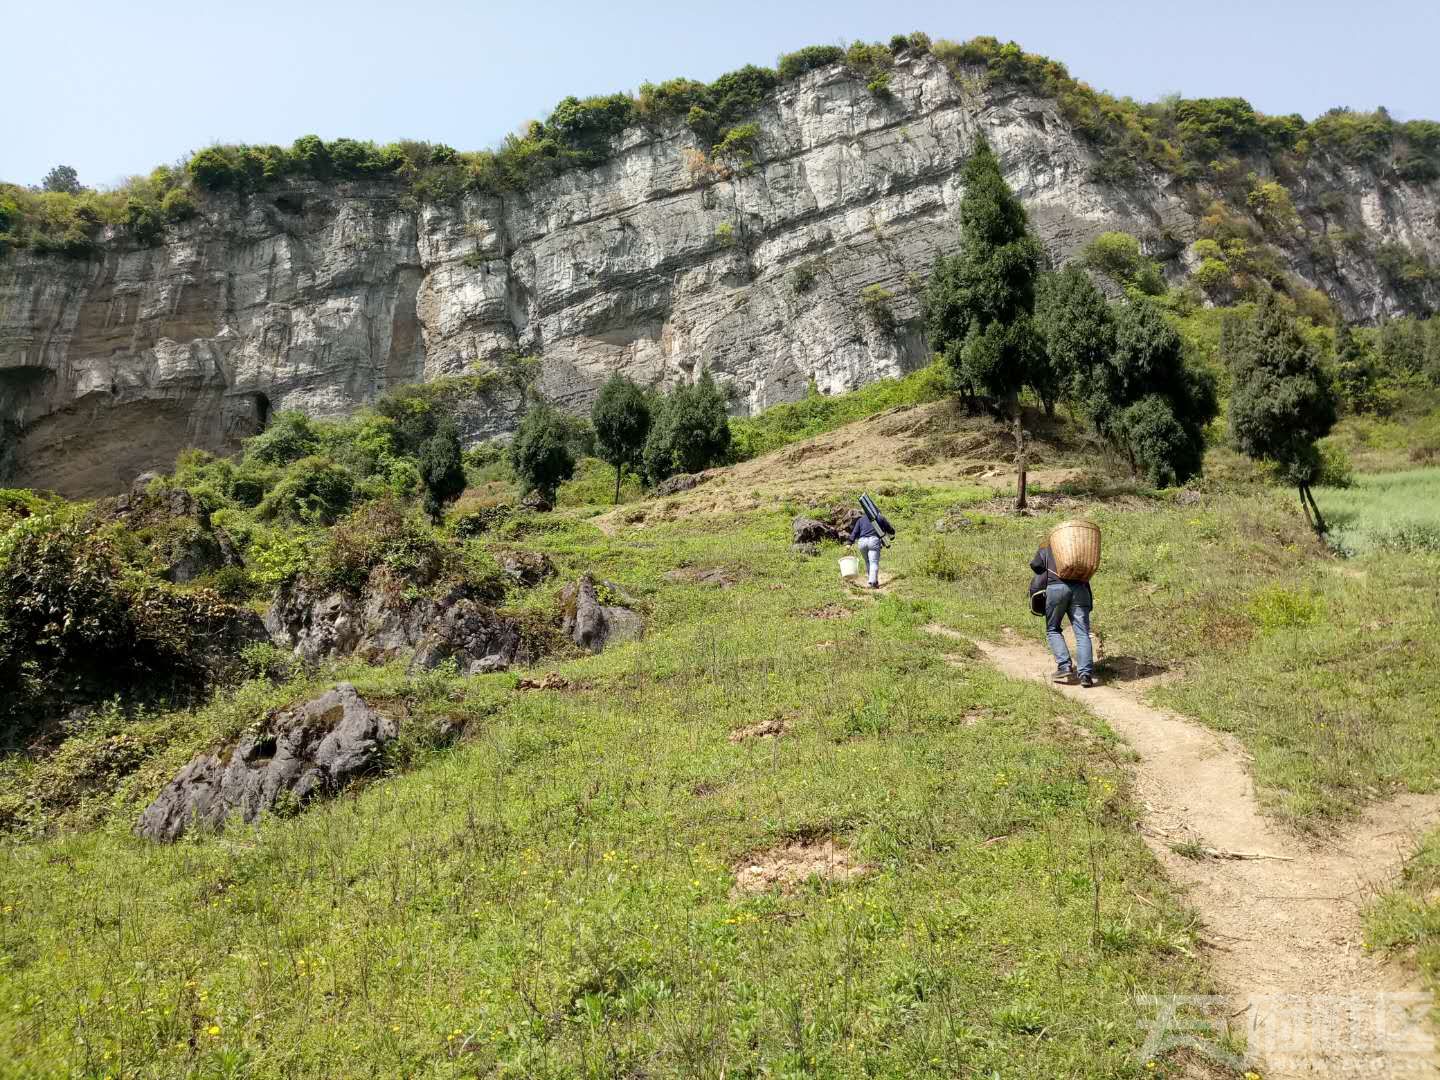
[
  {"x": 1063, "y": 598},
  {"x": 868, "y": 541}
]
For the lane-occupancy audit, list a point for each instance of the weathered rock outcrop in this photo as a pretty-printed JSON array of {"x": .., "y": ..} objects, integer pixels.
[
  {"x": 312, "y": 751},
  {"x": 383, "y": 624},
  {"x": 175, "y": 527},
  {"x": 593, "y": 625},
  {"x": 320, "y": 296}
]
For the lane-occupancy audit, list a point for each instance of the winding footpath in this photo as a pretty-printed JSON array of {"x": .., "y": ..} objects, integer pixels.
[{"x": 1282, "y": 916}]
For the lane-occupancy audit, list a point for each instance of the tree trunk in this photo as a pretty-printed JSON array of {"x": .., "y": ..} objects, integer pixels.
[
  {"x": 1319, "y": 523},
  {"x": 1305, "y": 506},
  {"x": 1021, "y": 455},
  {"x": 619, "y": 472}
]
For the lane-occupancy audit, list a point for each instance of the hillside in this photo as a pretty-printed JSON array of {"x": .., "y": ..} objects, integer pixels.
[
  {"x": 777, "y": 237},
  {"x": 793, "y": 829}
]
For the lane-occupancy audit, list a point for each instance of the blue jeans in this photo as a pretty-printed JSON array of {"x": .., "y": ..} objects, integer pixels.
[
  {"x": 1075, "y": 600},
  {"x": 869, "y": 546}
]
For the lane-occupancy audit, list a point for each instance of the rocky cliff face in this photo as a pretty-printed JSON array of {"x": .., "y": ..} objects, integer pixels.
[{"x": 319, "y": 297}]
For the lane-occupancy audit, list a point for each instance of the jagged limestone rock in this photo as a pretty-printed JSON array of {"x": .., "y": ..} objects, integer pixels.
[
  {"x": 593, "y": 625},
  {"x": 309, "y": 752},
  {"x": 320, "y": 296},
  {"x": 383, "y": 624}
]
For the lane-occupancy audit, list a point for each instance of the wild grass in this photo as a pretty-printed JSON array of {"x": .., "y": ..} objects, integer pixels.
[
  {"x": 553, "y": 897},
  {"x": 818, "y": 413},
  {"x": 1398, "y": 511}
]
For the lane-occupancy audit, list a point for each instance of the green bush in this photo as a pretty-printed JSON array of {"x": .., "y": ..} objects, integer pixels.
[
  {"x": 793, "y": 65},
  {"x": 313, "y": 490},
  {"x": 876, "y": 301},
  {"x": 77, "y": 625},
  {"x": 290, "y": 437},
  {"x": 383, "y": 533}
]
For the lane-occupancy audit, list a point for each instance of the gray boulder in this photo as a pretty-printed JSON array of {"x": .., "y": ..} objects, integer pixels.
[
  {"x": 676, "y": 484},
  {"x": 593, "y": 625},
  {"x": 526, "y": 568},
  {"x": 383, "y": 624},
  {"x": 807, "y": 530},
  {"x": 309, "y": 752}
]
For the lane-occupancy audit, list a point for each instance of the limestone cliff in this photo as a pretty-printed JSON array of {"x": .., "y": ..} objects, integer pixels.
[{"x": 319, "y": 297}]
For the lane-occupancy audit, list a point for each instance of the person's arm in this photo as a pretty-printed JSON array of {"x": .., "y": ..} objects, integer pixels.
[
  {"x": 885, "y": 524},
  {"x": 1037, "y": 564},
  {"x": 855, "y": 529}
]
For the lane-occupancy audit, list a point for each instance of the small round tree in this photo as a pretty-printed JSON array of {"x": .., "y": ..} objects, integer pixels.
[
  {"x": 1282, "y": 401},
  {"x": 441, "y": 469},
  {"x": 981, "y": 301},
  {"x": 1147, "y": 400},
  {"x": 540, "y": 453},
  {"x": 621, "y": 416}
]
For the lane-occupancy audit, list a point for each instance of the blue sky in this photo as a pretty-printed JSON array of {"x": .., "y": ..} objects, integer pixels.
[{"x": 115, "y": 89}]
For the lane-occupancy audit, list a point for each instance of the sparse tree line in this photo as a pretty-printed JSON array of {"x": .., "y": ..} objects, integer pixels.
[
  {"x": 1003, "y": 326},
  {"x": 649, "y": 434}
]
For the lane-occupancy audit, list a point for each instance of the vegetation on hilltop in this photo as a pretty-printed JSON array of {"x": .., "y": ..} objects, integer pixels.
[{"x": 1217, "y": 140}]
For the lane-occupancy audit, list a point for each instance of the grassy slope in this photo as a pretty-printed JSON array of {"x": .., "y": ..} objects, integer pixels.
[{"x": 552, "y": 897}]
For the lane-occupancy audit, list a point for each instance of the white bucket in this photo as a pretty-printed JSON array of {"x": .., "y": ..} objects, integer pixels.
[{"x": 849, "y": 566}]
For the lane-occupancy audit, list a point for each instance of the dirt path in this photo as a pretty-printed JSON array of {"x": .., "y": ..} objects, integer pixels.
[{"x": 1284, "y": 931}]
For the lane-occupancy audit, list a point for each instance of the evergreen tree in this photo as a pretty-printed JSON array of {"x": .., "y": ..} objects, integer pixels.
[
  {"x": 62, "y": 178},
  {"x": 980, "y": 302},
  {"x": 1147, "y": 400},
  {"x": 621, "y": 416},
  {"x": 1281, "y": 401},
  {"x": 690, "y": 431},
  {"x": 1077, "y": 330},
  {"x": 1354, "y": 371},
  {"x": 441, "y": 469},
  {"x": 540, "y": 453}
]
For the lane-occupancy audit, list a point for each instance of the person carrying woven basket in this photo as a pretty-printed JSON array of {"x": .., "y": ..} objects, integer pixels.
[{"x": 1063, "y": 598}]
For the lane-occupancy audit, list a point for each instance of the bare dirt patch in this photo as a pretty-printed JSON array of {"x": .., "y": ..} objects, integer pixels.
[
  {"x": 765, "y": 729},
  {"x": 714, "y": 576},
  {"x": 551, "y": 680},
  {"x": 1282, "y": 916},
  {"x": 831, "y": 611},
  {"x": 792, "y": 864}
]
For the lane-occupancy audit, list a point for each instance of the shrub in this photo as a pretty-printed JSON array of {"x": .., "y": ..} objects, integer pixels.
[
  {"x": 1334, "y": 468},
  {"x": 383, "y": 533},
  {"x": 802, "y": 278},
  {"x": 942, "y": 562},
  {"x": 1117, "y": 255},
  {"x": 441, "y": 470},
  {"x": 233, "y": 583},
  {"x": 1212, "y": 275},
  {"x": 290, "y": 437},
  {"x": 177, "y": 205},
  {"x": 876, "y": 301},
  {"x": 793, "y": 65},
  {"x": 78, "y": 626},
  {"x": 738, "y": 145},
  {"x": 313, "y": 490}
]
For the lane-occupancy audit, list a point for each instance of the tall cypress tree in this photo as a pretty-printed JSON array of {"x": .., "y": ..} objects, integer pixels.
[
  {"x": 1281, "y": 401},
  {"x": 981, "y": 301}
]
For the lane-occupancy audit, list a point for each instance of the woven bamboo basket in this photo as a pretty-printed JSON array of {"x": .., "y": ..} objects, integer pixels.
[{"x": 1076, "y": 547}]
